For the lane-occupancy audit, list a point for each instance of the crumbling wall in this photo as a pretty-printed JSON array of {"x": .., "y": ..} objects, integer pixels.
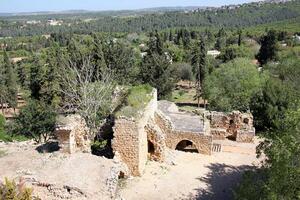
[
  {"x": 130, "y": 138},
  {"x": 202, "y": 141},
  {"x": 235, "y": 125},
  {"x": 157, "y": 138},
  {"x": 72, "y": 134}
]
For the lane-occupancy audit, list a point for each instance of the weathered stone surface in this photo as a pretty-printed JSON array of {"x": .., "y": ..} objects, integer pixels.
[
  {"x": 161, "y": 125},
  {"x": 157, "y": 139},
  {"x": 174, "y": 136},
  {"x": 72, "y": 134},
  {"x": 236, "y": 125},
  {"x": 130, "y": 138}
]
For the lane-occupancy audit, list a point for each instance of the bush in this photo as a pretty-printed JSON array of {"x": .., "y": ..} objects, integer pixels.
[
  {"x": 2, "y": 126},
  {"x": 9, "y": 190},
  {"x": 138, "y": 97},
  {"x": 231, "y": 86},
  {"x": 6, "y": 137},
  {"x": 185, "y": 71},
  {"x": 36, "y": 120}
]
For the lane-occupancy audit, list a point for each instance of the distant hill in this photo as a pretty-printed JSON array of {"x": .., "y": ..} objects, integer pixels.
[
  {"x": 115, "y": 12},
  {"x": 144, "y": 20}
]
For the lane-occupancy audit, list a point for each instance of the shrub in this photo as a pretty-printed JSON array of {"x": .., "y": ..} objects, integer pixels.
[
  {"x": 231, "y": 86},
  {"x": 137, "y": 98},
  {"x": 36, "y": 120},
  {"x": 10, "y": 190},
  {"x": 185, "y": 71}
]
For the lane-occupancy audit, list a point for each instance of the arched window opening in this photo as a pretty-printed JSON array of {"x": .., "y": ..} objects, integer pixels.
[{"x": 187, "y": 146}]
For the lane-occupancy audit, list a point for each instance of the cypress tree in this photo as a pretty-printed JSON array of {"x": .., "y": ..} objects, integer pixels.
[
  {"x": 35, "y": 81},
  {"x": 98, "y": 58},
  {"x": 199, "y": 68},
  {"x": 268, "y": 49},
  {"x": 10, "y": 82}
]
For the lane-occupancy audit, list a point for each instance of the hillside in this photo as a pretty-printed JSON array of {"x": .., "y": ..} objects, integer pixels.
[{"x": 138, "y": 21}]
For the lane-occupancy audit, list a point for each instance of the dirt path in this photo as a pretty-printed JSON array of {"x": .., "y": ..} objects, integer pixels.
[
  {"x": 194, "y": 176},
  {"x": 84, "y": 176},
  {"x": 55, "y": 175}
]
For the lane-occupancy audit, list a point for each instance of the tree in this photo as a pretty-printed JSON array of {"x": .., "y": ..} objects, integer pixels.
[
  {"x": 10, "y": 82},
  {"x": 84, "y": 95},
  {"x": 98, "y": 58},
  {"x": 199, "y": 64},
  {"x": 268, "y": 49},
  {"x": 35, "y": 79},
  {"x": 279, "y": 94},
  {"x": 156, "y": 68},
  {"x": 185, "y": 71},
  {"x": 36, "y": 120},
  {"x": 221, "y": 39},
  {"x": 50, "y": 85},
  {"x": 234, "y": 51},
  {"x": 279, "y": 177},
  {"x": 120, "y": 61},
  {"x": 231, "y": 86},
  {"x": 240, "y": 37},
  {"x": 2, "y": 87}
]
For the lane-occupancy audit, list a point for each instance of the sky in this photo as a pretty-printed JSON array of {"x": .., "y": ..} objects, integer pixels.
[{"x": 7, "y": 6}]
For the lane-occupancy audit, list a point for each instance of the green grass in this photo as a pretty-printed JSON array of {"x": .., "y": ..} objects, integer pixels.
[
  {"x": 183, "y": 96},
  {"x": 136, "y": 100},
  {"x": 10, "y": 138}
]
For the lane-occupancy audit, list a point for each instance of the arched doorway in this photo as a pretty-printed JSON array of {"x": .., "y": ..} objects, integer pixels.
[{"x": 186, "y": 146}]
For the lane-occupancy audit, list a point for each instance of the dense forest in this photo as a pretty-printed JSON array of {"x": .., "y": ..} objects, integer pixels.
[
  {"x": 257, "y": 70},
  {"x": 231, "y": 17}
]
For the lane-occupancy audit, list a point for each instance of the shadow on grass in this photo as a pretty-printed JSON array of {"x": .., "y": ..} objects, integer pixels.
[
  {"x": 220, "y": 181},
  {"x": 48, "y": 147}
]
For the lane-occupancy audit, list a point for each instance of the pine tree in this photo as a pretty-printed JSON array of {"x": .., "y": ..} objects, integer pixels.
[
  {"x": 156, "y": 68},
  {"x": 2, "y": 87},
  {"x": 50, "y": 85},
  {"x": 10, "y": 82},
  {"x": 268, "y": 49},
  {"x": 98, "y": 58},
  {"x": 159, "y": 43},
  {"x": 35, "y": 79},
  {"x": 221, "y": 39},
  {"x": 240, "y": 37},
  {"x": 171, "y": 36}
]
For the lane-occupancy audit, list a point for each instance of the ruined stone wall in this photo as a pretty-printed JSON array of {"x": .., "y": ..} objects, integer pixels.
[
  {"x": 72, "y": 134},
  {"x": 235, "y": 125},
  {"x": 202, "y": 141},
  {"x": 130, "y": 138},
  {"x": 157, "y": 138}
]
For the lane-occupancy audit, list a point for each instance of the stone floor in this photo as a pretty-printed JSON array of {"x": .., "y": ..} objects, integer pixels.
[{"x": 182, "y": 121}]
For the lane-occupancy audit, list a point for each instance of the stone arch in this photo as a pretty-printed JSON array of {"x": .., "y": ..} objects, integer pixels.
[{"x": 187, "y": 145}]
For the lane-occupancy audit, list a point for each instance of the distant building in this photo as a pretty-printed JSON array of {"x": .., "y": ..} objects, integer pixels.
[
  {"x": 213, "y": 53},
  {"x": 33, "y": 22},
  {"x": 54, "y": 22}
]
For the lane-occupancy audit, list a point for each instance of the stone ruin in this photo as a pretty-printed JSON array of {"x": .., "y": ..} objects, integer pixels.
[
  {"x": 236, "y": 126},
  {"x": 161, "y": 125},
  {"x": 72, "y": 134},
  {"x": 158, "y": 127}
]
